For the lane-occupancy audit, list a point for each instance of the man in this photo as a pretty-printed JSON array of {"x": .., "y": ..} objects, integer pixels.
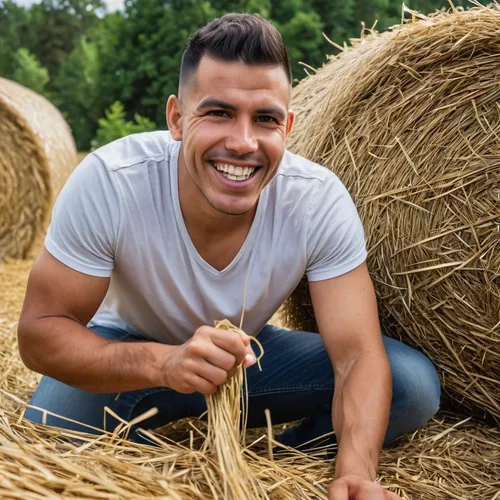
[{"x": 157, "y": 235}]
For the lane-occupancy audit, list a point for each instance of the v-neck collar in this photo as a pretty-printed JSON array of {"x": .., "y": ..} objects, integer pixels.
[{"x": 249, "y": 240}]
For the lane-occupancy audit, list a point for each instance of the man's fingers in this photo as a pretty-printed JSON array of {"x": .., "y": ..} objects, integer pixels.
[
  {"x": 249, "y": 360},
  {"x": 213, "y": 374},
  {"x": 231, "y": 349},
  {"x": 355, "y": 487},
  {"x": 199, "y": 384},
  {"x": 338, "y": 491},
  {"x": 228, "y": 360},
  {"x": 219, "y": 357},
  {"x": 393, "y": 496},
  {"x": 230, "y": 342}
]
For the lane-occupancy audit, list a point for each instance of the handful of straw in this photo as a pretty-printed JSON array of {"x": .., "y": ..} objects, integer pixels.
[{"x": 224, "y": 436}]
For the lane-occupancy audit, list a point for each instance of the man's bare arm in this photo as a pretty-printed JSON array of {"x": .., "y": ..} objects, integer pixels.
[
  {"x": 347, "y": 317},
  {"x": 54, "y": 341}
]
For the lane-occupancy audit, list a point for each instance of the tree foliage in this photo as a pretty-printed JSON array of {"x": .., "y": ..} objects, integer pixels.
[
  {"x": 85, "y": 59},
  {"x": 77, "y": 91},
  {"x": 29, "y": 72},
  {"x": 14, "y": 34},
  {"x": 143, "y": 70},
  {"x": 115, "y": 125}
]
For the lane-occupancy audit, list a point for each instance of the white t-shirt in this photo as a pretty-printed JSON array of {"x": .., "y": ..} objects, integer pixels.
[{"x": 119, "y": 216}]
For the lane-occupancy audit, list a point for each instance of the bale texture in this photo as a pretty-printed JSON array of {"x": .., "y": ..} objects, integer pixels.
[
  {"x": 410, "y": 122},
  {"x": 37, "y": 154}
]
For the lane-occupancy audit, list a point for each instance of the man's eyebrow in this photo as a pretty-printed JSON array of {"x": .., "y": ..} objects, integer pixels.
[{"x": 216, "y": 103}]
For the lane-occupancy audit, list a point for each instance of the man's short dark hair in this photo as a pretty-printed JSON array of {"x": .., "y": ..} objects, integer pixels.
[{"x": 247, "y": 38}]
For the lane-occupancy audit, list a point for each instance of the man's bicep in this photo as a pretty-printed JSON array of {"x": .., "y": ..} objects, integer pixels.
[
  {"x": 346, "y": 312},
  {"x": 55, "y": 289}
]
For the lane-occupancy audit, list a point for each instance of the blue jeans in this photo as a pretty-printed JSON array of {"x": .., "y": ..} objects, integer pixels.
[{"x": 296, "y": 383}]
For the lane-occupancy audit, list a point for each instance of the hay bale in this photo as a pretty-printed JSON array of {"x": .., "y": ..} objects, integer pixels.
[
  {"x": 410, "y": 122},
  {"x": 37, "y": 154}
]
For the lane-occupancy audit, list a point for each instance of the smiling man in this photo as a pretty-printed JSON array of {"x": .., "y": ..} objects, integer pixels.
[{"x": 157, "y": 235}]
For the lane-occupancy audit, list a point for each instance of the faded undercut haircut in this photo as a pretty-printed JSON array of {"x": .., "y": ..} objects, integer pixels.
[{"x": 246, "y": 38}]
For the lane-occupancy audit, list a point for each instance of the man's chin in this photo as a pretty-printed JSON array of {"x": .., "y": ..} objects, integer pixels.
[{"x": 235, "y": 210}]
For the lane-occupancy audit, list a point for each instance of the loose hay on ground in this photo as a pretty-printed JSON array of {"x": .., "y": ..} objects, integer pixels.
[
  {"x": 410, "y": 122},
  {"x": 37, "y": 154}
]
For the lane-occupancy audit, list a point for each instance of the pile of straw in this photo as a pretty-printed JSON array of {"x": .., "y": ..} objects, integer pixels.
[
  {"x": 410, "y": 122},
  {"x": 37, "y": 154}
]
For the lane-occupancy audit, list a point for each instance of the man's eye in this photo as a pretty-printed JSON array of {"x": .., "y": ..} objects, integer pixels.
[
  {"x": 217, "y": 112},
  {"x": 267, "y": 119}
]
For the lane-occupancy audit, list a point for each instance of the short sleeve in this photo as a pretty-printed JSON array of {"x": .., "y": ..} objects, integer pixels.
[
  {"x": 85, "y": 220},
  {"x": 335, "y": 235}
]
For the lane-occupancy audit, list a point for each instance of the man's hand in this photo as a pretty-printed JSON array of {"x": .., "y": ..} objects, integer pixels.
[
  {"x": 207, "y": 360},
  {"x": 358, "y": 488}
]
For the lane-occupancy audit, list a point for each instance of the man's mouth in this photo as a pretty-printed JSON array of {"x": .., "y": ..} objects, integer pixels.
[{"x": 234, "y": 172}]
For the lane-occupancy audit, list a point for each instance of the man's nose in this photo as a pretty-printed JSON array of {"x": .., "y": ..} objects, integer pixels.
[{"x": 241, "y": 138}]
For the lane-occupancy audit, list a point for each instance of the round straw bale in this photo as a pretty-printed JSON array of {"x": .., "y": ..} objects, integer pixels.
[
  {"x": 410, "y": 122},
  {"x": 37, "y": 154}
]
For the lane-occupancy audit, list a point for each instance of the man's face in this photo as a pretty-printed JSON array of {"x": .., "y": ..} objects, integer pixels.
[{"x": 233, "y": 120}]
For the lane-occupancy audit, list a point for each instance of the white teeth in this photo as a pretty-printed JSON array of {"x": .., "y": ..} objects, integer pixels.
[{"x": 233, "y": 172}]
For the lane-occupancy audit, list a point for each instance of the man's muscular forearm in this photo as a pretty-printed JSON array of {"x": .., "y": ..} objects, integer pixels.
[
  {"x": 360, "y": 414},
  {"x": 67, "y": 351},
  {"x": 63, "y": 349}
]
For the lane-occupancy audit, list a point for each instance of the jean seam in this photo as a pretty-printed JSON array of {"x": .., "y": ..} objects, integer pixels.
[{"x": 290, "y": 388}]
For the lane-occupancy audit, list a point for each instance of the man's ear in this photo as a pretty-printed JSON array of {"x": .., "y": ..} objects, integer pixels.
[
  {"x": 174, "y": 117},
  {"x": 289, "y": 122}
]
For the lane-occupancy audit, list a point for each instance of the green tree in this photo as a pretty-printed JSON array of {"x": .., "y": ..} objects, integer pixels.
[
  {"x": 14, "y": 34},
  {"x": 58, "y": 25},
  {"x": 29, "y": 72},
  {"x": 144, "y": 70},
  {"x": 301, "y": 27},
  {"x": 115, "y": 125},
  {"x": 339, "y": 20},
  {"x": 303, "y": 39},
  {"x": 283, "y": 11},
  {"x": 77, "y": 91},
  {"x": 374, "y": 11},
  {"x": 262, "y": 7},
  {"x": 430, "y": 6}
]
